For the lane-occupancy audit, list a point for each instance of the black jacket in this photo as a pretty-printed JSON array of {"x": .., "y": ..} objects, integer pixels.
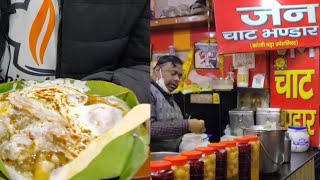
[
  {"x": 103, "y": 35},
  {"x": 107, "y": 40}
]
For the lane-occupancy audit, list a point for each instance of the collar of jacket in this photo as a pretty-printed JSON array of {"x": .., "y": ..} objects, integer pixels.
[{"x": 168, "y": 96}]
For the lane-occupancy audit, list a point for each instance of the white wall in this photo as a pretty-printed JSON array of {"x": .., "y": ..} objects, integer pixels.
[
  {"x": 178, "y": 2},
  {"x": 160, "y": 4}
]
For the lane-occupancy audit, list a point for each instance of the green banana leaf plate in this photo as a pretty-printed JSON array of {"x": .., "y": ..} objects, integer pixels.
[{"x": 122, "y": 154}]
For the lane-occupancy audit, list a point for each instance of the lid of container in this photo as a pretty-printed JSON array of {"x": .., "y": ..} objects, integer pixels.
[
  {"x": 160, "y": 165},
  {"x": 217, "y": 146},
  {"x": 192, "y": 154},
  {"x": 268, "y": 109},
  {"x": 297, "y": 127},
  {"x": 241, "y": 111},
  {"x": 241, "y": 140},
  {"x": 252, "y": 137},
  {"x": 229, "y": 143},
  {"x": 205, "y": 150},
  {"x": 261, "y": 128},
  {"x": 194, "y": 136},
  {"x": 177, "y": 160}
]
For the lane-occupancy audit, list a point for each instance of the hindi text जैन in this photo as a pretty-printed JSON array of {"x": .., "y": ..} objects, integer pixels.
[
  {"x": 284, "y": 77},
  {"x": 292, "y": 118},
  {"x": 293, "y": 13}
]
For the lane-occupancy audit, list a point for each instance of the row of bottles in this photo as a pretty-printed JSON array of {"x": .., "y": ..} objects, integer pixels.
[{"x": 226, "y": 160}]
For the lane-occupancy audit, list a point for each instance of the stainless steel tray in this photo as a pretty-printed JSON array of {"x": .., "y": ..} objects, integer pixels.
[{"x": 156, "y": 156}]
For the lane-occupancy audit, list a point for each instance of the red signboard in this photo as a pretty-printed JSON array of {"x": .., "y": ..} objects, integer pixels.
[
  {"x": 246, "y": 26},
  {"x": 294, "y": 87}
]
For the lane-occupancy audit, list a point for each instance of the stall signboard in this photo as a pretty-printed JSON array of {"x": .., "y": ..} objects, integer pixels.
[
  {"x": 294, "y": 87},
  {"x": 247, "y": 26}
]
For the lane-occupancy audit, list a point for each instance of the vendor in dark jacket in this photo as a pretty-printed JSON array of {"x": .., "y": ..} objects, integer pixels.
[
  {"x": 167, "y": 122},
  {"x": 106, "y": 40}
]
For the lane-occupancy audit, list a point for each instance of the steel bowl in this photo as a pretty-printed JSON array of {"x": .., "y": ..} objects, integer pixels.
[{"x": 156, "y": 156}]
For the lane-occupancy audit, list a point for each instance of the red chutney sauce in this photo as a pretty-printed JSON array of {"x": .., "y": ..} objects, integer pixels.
[
  {"x": 244, "y": 158},
  {"x": 221, "y": 160},
  {"x": 196, "y": 164},
  {"x": 161, "y": 170}
]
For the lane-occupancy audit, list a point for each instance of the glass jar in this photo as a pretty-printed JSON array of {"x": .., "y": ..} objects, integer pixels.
[
  {"x": 209, "y": 159},
  {"x": 221, "y": 160},
  {"x": 233, "y": 160},
  {"x": 255, "y": 156},
  {"x": 161, "y": 170},
  {"x": 180, "y": 167},
  {"x": 196, "y": 164},
  {"x": 244, "y": 158}
]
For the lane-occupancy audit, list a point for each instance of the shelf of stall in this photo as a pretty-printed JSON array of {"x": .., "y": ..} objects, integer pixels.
[
  {"x": 250, "y": 89},
  {"x": 180, "y": 22}
]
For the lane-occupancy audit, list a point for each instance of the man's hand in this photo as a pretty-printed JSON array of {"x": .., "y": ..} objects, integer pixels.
[{"x": 196, "y": 126}]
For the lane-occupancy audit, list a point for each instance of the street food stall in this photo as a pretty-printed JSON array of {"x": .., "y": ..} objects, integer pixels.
[{"x": 251, "y": 71}]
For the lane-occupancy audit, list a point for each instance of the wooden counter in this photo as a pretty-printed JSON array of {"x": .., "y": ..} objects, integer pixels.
[{"x": 301, "y": 167}]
